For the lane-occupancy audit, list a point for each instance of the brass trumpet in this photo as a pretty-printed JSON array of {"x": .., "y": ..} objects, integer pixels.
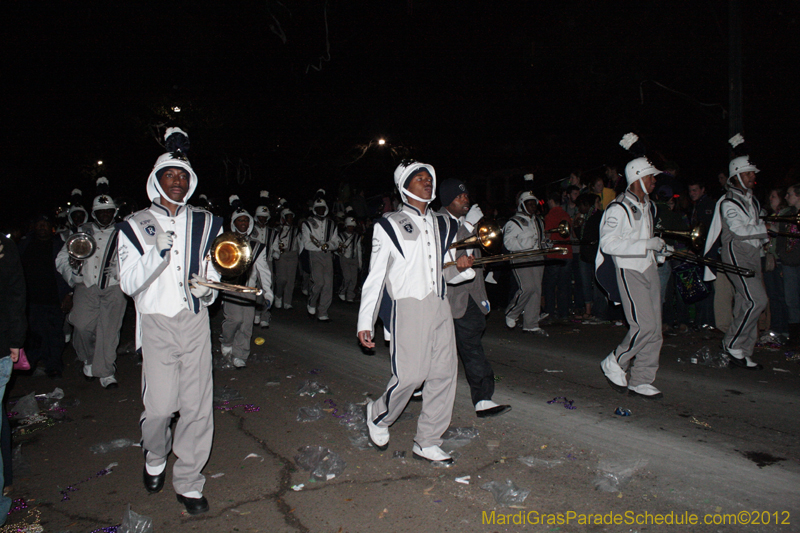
[
  {"x": 80, "y": 247},
  {"x": 696, "y": 236},
  {"x": 231, "y": 256},
  {"x": 488, "y": 235},
  {"x": 563, "y": 229},
  {"x": 322, "y": 246}
]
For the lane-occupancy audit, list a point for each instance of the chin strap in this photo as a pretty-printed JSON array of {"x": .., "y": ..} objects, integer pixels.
[
  {"x": 417, "y": 198},
  {"x": 163, "y": 195}
]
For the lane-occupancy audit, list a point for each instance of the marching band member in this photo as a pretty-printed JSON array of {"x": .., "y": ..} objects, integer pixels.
[
  {"x": 285, "y": 251},
  {"x": 98, "y": 304},
  {"x": 525, "y": 231},
  {"x": 741, "y": 233},
  {"x": 626, "y": 267},
  {"x": 469, "y": 303},
  {"x": 320, "y": 238},
  {"x": 263, "y": 234},
  {"x": 349, "y": 252},
  {"x": 406, "y": 270},
  {"x": 163, "y": 253}
]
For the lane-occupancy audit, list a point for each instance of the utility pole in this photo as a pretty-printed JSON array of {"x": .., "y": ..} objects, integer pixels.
[{"x": 735, "y": 122}]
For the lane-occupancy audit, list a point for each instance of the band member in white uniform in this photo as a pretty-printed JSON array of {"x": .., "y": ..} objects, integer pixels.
[
  {"x": 265, "y": 235},
  {"x": 737, "y": 228},
  {"x": 98, "y": 304},
  {"x": 163, "y": 253},
  {"x": 627, "y": 268},
  {"x": 525, "y": 231},
  {"x": 407, "y": 279},
  {"x": 321, "y": 239},
  {"x": 240, "y": 308},
  {"x": 349, "y": 252},
  {"x": 285, "y": 250}
]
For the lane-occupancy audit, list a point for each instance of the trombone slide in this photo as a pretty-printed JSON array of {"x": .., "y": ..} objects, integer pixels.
[{"x": 230, "y": 287}]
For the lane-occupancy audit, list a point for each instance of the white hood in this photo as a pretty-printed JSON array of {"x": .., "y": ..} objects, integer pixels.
[
  {"x": 408, "y": 169},
  {"x": 242, "y": 213},
  {"x": 167, "y": 160}
]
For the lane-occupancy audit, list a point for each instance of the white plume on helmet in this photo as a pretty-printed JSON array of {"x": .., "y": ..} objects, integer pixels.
[
  {"x": 524, "y": 197},
  {"x": 405, "y": 170},
  {"x": 319, "y": 202},
  {"x": 175, "y": 159}
]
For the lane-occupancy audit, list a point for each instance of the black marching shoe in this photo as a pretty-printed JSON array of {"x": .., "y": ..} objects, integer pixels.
[
  {"x": 194, "y": 505},
  {"x": 154, "y": 484}
]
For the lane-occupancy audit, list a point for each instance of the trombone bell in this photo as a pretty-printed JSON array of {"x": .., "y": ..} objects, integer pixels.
[
  {"x": 563, "y": 229},
  {"x": 231, "y": 254},
  {"x": 488, "y": 236}
]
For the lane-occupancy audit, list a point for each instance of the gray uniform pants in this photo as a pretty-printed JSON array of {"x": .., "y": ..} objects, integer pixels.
[
  {"x": 349, "y": 277},
  {"x": 749, "y": 299},
  {"x": 176, "y": 377},
  {"x": 285, "y": 273},
  {"x": 528, "y": 299},
  {"x": 97, "y": 318},
  {"x": 321, "y": 281},
  {"x": 641, "y": 300},
  {"x": 423, "y": 350},
  {"x": 237, "y": 328}
]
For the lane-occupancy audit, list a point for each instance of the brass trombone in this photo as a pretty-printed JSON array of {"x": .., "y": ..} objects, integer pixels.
[
  {"x": 705, "y": 261},
  {"x": 791, "y": 219},
  {"x": 231, "y": 256},
  {"x": 696, "y": 236},
  {"x": 488, "y": 235},
  {"x": 562, "y": 229},
  {"x": 515, "y": 255}
]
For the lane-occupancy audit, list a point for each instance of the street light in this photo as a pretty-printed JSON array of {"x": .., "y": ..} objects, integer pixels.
[
  {"x": 99, "y": 162},
  {"x": 381, "y": 141}
]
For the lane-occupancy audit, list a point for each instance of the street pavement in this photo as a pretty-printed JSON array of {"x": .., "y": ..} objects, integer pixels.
[{"x": 721, "y": 443}]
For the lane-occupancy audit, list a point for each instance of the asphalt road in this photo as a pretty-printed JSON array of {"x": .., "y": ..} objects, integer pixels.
[{"x": 721, "y": 442}]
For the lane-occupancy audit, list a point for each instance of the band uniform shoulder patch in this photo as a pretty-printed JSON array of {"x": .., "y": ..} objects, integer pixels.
[{"x": 150, "y": 230}]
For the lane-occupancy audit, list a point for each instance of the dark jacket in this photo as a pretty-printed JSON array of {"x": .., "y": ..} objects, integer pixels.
[
  {"x": 789, "y": 248},
  {"x": 62, "y": 287},
  {"x": 12, "y": 298}
]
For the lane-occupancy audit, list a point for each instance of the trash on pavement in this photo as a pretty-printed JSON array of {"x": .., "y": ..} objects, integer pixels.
[
  {"x": 705, "y": 357},
  {"x": 529, "y": 460},
  {"x": 506, "y": 493},
  {"x": 310, "y": 414},
  {"x": 135, "y": 523},
  {"x": 463, "y": 480},
  {"x": 312, "y": 388},
  {"x": 612, "y": 475},
  {"x": 621, "y": 411},
  {"x": 323, "y": 463},
  {"x": 112, "y": 445},
  {"x": 567, "y": 403},
  {"x": 26, "y": 406},
  {"x": 458, "y": 437}
]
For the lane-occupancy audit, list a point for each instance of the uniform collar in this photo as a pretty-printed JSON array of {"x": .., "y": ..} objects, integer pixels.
[
  {"x": 633, "y": 198},
  {"x": 414, "y": 211},
  {"x": 163, "y": 210}
]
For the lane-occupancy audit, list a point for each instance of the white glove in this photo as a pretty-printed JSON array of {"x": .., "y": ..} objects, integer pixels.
[
  {"x": 656, "y": 243},
  {"x": 164, "y": 243},
  {"x": 474, "y": 214},
  {"x": 199, "y": 291}
]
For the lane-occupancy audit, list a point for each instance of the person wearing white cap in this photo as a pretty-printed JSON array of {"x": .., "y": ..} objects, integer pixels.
[
  {"x": 627, "y": 268},
  {"x": 264, "y": 235},
  {"x": 98, "y": 304},
  {"x": 163, "y": 258},
  {"x": 320, "y": 238},
  {"x": 525, "y": 231},
  {"x": 349, "y": 260},
  {"x": 240, "y": 308},
  {"x": 285, "y": 249},
  {"x": 407, "y": 286},
  {"x": 737, "y": 228}
]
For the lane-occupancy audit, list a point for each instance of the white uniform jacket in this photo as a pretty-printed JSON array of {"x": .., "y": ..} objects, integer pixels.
[
  {"x": 739, "y": 211},
  {"x": 260, "y": 270},
  {"x": 323, "y": 230},
  {"x": 407, "y": 261},
  {"x": 160, "y": 285},
  {"x": 626, "y": 226},
  {"x": 524, "y": 232},
  {"x": 100, "y": 269},
  {"x": 351, "y": 246},
  {"x": 289, "y": 236}
]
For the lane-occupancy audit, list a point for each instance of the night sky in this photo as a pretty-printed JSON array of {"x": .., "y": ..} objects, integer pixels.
[{"x": 474, "y": 87}]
